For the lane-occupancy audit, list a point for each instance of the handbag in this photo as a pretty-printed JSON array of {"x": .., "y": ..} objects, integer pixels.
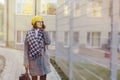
[{"x": 25, "y": 76}]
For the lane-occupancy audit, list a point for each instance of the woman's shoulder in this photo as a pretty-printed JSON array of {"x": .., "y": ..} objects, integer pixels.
[{"x": 29, "y": 31}]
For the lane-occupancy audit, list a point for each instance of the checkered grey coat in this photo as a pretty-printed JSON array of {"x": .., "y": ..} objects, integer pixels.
[
  {"x": 39, "y": 66},
  {"x": 36, "y": 44}
]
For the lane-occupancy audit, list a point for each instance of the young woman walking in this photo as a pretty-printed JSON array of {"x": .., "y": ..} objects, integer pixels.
[{"x": 35, "y": 57}]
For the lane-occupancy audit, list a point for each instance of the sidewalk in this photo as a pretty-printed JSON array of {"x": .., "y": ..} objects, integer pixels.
[{"x": 14, "y": 65}]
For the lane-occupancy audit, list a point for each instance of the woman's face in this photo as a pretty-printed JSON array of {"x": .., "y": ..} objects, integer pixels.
[{"x": 39, "y": 24}]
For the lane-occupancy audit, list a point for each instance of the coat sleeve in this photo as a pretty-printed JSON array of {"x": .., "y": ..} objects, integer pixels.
[
  {"x": 26, "y": 62},
  {"x": 47, "y": 38}
]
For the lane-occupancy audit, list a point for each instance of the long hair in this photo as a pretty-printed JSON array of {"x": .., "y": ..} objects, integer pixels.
[{"x": 43, "y": 25}]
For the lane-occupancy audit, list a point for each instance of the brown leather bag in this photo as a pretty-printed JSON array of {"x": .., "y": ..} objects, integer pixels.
[{"x": 25, "y": 76}]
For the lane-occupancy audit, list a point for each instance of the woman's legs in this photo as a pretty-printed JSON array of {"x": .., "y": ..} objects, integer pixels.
[
  {"x": 43, "y": 77},
  {"x": 34, "y": 77}
]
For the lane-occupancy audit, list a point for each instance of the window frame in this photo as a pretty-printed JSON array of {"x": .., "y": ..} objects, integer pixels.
[
  {"x": 78, "y": 36},
  {"x": 90, "y": 9},
  {"x": 46, "y": 14},
  {"x": 22, "y": 36},
  {"x": 51, "y": 37},
  {"x": 90, "y": 44},
  {"x": 66, "y": 37},
  {"x": 22, "y": 13},
  {"x": 76, "y": 2}
]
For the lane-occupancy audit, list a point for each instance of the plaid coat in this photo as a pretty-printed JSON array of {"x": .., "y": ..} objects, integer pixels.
[
  {"x": 36, "y": 40},
  {"x": 39, "y": 66}
]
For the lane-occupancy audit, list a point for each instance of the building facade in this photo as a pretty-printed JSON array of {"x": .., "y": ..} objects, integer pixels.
[
  {"x": 17, "y": 19},
  {"x": 91, "y": 22}
]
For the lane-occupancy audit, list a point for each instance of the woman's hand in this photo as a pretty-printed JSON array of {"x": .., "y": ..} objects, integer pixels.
[{"x": 26, "y": 66}]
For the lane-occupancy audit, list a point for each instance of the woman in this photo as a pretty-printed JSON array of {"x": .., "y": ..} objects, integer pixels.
[{"x": 35, "y": 57}]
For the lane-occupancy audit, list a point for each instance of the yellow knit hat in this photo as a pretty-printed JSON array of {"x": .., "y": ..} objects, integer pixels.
[{"x": 36, "y": 18}]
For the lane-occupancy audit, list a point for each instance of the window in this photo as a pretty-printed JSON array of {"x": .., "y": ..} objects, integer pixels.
[
  {"x": 76, "y": 8},
  {"x": 76, "y": 38},
  {"x": 24, "y": 7},
  {"x": 93, "y": 39},
  {"x": 119, "y": 38},
  {"x": 52, "y": 36},
  {"x": 66, "y": 10},
  {"x": 60, "y": 2},
  {"x": 1, "y": 36},
  {"x": 43, "y": 7},
  {"x": 109, "y": 39},
  {"x": 24, "y": 35},
  {"x": 88, "y": 39},
  {"x": 21, "y": 37},
  {"x": 66, "y": 38},
  {"x": 2, "y": 1},
  {"x": 48, "y": 7},
  {"x": 2, "y": 21},
  {"x": 95, "y": 8},
  {"x": 1, "y": 15}
]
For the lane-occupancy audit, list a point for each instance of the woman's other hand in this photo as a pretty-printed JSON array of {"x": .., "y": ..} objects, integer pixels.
[{"x": 26, "y": 66}]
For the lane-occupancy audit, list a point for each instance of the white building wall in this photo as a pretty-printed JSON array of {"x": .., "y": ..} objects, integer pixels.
[
  {"x": 84, "y": 23},
  {"x": 23, "y": 22}
]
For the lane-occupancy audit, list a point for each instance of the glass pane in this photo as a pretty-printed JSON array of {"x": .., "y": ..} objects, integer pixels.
[
  {"x": 48, "y": 7},
  {"x": 94, "y": 8},
  {"x": 62, "y": 55},
  {"x": 63, "y": 52},
  {"x": 43, "y": 7},
  {"x": 66, "y": 38},
  {"x": 53, "y": 37},
  {"x": 2, "y": 21},
  {"x": 51, "y": 8},
  {"x": 24, "y": 6},
  {"x": 118, "y": 64},
  {"x": 66, "y": 11},
  {"x": 24, "y": 35},
  {"x": 60, "y": 2},
  {"x": 118, "y": 73},
  {"x": 88, "y": 38},
  {"x": 91, "y": 57},
  {"x": 18, "y": 36},
  {"x": 77, "y": 8},
  {"x": 76, "y": 38},
  {"x": 96, "y": 39},
  {"x": 91, "y": 60},
  {"x": 2, "y": 1}
]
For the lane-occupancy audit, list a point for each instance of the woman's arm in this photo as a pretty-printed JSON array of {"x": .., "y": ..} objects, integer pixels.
[
  {"x": 26, "y": 62},
  {"x": 47, "y": 38}
]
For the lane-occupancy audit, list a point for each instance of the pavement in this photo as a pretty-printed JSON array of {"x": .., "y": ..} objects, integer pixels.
[{"x": 14, "y": 65}]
